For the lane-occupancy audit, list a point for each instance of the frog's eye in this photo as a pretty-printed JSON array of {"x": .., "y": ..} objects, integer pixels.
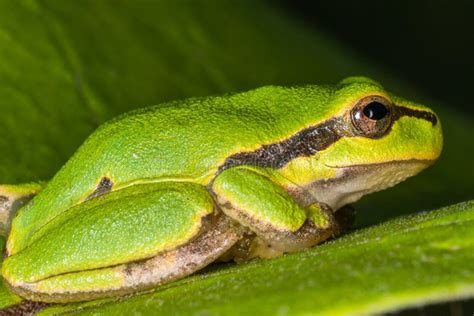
[{"x": 372, "y": 116}]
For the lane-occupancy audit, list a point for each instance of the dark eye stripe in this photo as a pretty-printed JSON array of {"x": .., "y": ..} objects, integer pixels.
[
  {"x": 305, "y": 143},
  {"x": 309, "y": 141},
  {"x": 425, "y": 115}
]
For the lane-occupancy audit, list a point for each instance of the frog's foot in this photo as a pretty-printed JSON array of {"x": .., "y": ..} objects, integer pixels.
[
  {"x": 277, "y": 224},
  {"x": 12, "y": 198}
]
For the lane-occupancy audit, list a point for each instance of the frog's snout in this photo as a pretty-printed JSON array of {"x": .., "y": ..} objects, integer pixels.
[{"x": 437, "y": 137}]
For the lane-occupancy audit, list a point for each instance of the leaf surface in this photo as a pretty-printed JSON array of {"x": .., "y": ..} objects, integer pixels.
[{"x": 404, "y": 262}]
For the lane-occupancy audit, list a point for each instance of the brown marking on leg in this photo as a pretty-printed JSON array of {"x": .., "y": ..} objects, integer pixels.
[
  {"x": 24, "y": 308},
  {"x": 281, "y": 241},
  {"x": 172, "y": 265},
  {"x": 8, "y": 208}
]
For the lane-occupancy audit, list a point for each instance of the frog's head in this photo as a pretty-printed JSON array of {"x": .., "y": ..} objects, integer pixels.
[{"x": 373, "y": 140}]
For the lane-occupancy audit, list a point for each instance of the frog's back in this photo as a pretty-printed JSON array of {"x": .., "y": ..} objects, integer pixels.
[
  {"x": 184, "y": 140},
  {"x": 190, "y": 139}
]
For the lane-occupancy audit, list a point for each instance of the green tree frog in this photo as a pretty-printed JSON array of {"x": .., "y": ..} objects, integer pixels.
[{"x": 161, "y": 192}]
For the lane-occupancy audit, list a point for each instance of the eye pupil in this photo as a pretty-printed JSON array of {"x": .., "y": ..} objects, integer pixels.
[{"x": 375, "y": 111}]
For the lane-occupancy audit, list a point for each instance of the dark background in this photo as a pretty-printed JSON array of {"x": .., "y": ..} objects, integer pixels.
[{"x": 429, "y": 44}]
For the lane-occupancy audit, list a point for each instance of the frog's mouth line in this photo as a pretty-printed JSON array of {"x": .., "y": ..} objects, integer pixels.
[
  {"x": 427, "y": 162},
  {"x": 353, "y": 182}
]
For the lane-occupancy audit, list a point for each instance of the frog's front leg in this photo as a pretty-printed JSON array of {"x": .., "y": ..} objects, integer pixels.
[
  {"x": 12, "y": 198},
  {"x": 280, "y": 224}
]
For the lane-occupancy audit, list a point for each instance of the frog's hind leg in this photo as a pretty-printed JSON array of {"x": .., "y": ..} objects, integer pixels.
[
  {"x": 141, "y": 207},
  {"x": 221, "y": 235},
  {"x": 12, "y": 198}
]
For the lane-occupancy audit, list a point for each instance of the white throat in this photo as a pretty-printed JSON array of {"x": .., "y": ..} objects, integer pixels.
[{"x": 351, "y": 183}]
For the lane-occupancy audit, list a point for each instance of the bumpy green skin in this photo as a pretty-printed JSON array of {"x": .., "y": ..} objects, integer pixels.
[
  {"x": 173, "y": 141},
  {"x": 272, "y": 204},
  {"x": 269, "y": 205},
  {"x": 163, "y": 163}
]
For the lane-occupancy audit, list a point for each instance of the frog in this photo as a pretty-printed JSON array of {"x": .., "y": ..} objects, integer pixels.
[{"x": 159, "y": 193}]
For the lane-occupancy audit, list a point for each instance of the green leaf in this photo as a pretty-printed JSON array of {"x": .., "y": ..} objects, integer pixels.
[{"x": 404, "y": 262}]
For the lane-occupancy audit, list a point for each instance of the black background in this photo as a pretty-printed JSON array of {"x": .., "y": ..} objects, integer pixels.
[{"x": 428, "y": 44}]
